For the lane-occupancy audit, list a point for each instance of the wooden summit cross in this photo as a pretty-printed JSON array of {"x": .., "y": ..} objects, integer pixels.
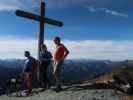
[{"x": 42, "y": 19}]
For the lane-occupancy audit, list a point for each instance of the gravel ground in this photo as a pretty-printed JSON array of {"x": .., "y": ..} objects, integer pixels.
[{"x": 71, "y": 94}]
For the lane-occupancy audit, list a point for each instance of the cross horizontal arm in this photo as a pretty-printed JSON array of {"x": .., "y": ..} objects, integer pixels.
[
  {"x": 38, "y": 18},
  {"x": 53, "y": 22},
  {"x": 27, "y": 15}
]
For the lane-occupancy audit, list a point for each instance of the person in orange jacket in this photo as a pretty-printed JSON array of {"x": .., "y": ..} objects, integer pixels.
[{"x": 59, "y": 56}]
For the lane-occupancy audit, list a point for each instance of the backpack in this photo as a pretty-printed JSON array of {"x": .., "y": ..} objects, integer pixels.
[{"x": 34, "y": 65}]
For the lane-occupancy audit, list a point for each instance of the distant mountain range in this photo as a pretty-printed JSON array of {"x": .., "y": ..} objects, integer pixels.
[{"x": 73, "y": 70}]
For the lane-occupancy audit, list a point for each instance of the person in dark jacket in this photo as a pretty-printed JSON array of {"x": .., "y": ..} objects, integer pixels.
[
  {"x": 27, "y": 71},
  {"x": 45, "y": 61}
]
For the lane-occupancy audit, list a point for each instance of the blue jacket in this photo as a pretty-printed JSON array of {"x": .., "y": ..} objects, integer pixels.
[
  {"x": 45, "y": 56},
  {"x": 28, "y": 65}
]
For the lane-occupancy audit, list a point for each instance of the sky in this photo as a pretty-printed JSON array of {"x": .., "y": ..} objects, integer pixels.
[{"x": 93, "y": 29}]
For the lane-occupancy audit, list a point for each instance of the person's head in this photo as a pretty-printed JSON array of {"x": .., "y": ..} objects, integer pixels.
[
  {"x": 57, "y": 40},
  {"x": 43, "y": 47},
  {"x": 27, "y": 54}
]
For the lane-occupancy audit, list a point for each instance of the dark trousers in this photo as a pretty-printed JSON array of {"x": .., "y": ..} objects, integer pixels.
[{"x": 44, "y": 75}]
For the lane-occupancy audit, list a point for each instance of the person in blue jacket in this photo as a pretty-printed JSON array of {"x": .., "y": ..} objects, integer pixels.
[
  {"x": 45, "y": 61},
  {"x": 27, "y": 71}
]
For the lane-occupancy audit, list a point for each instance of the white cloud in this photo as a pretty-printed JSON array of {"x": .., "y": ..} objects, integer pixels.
[
  {"x": 92, "y": 9},
  {"x": 107, "y": 11},
  {"x": 52, "y": 4},
  {"x": 115, "y": 13},
  {"x": 8, "y": 5},
  {"x": 11, "y": 5},
  {"x": 86, "y": 49}
]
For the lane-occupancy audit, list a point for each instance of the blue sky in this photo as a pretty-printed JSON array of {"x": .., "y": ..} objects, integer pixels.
[{"x": 84, "y": 20}]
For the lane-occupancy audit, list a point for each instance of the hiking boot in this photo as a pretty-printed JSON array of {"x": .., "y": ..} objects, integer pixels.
[
  {"x": 49, "y": 86},
  {"x": 29, "y": 92},
  {"x": 58, "y": 89},
  {"x": 46, "y": 86}
]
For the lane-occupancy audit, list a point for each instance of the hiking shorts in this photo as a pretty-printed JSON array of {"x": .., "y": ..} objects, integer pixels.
[
  {"x": 28, "y": 79},
  {"x": 57, "y": 68}
]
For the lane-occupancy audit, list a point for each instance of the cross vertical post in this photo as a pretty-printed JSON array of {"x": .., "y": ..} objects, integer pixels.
[{"x": 41, "y": 30}]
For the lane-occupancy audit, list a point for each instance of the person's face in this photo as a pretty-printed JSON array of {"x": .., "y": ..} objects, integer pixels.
[
  {"x": 43, "y": 48},
  {"x": 56, "y": 41},
  {"x": 26, "y": 55}
]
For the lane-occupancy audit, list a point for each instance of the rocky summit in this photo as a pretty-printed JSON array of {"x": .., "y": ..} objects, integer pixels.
[{"x": 77, "y": 92}]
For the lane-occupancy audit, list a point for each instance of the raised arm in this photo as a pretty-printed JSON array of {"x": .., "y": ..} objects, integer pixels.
[{"x": 66, "y": 52}]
